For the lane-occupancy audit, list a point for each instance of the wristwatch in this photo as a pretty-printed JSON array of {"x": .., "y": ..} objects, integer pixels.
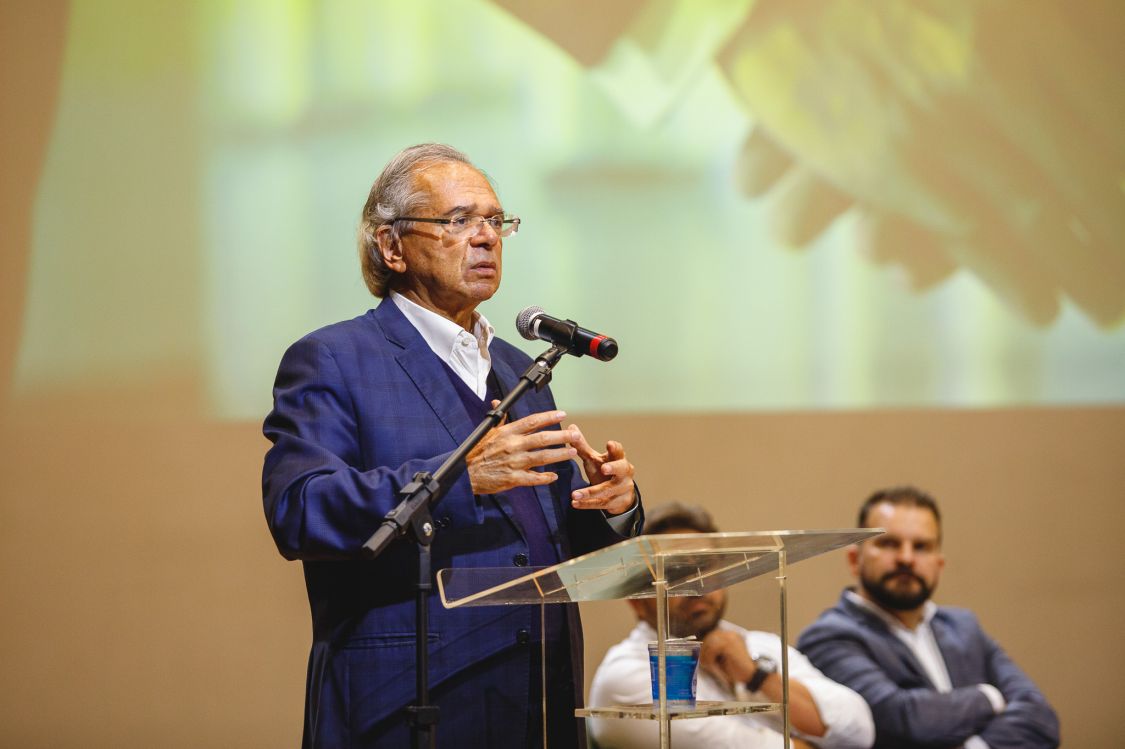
[{"x": 763, "y": 667}]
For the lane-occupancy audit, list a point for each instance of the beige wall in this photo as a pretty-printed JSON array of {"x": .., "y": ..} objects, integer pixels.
[{"x": 145, "y": 605}]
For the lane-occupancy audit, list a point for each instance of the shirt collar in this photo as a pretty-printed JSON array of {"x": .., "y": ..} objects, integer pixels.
[
  {"x": 928, "y": 611},
  {"x": 440, "y": 333}
]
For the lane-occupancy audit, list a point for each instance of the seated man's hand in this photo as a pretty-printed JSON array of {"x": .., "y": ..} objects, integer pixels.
[
  {"x": 507, "y": 456},
  {"x": 724, "y": 654},
  {"x": 609, "y": 474}
]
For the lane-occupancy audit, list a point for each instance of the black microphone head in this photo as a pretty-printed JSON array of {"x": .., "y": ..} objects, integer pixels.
[
  {"x": 525, "y": 319},
  {"x": 607, "y": 349}
]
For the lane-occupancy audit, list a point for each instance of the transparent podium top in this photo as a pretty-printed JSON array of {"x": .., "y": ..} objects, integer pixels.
[{"x": 693, "y": 564}]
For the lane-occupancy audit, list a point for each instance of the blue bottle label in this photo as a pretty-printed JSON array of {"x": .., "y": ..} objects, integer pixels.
[{"x": 680, "y": 676}]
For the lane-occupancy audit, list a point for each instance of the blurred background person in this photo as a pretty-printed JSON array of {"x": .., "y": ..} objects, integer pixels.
[{"x": 736, "y": 664}]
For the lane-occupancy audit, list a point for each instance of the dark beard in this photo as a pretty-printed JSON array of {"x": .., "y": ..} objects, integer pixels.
[
  {"x": 686, "y": 628},
  {"x": 893, "y": 600}
]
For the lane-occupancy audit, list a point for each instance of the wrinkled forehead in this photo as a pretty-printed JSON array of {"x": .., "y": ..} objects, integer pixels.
[{"x": 453, "y": 186}]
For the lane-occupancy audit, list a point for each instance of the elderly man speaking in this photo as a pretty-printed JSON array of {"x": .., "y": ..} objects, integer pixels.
[{"x": 359, "y": 407}]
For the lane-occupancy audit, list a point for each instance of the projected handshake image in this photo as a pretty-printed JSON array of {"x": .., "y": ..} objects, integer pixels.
[{"x": 984, "y": 137}]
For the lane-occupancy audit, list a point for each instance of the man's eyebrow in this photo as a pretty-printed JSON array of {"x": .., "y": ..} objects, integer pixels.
[{"x": 470, "y": 209}]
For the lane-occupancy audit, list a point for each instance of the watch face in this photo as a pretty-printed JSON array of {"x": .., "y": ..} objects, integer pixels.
[{"x": 763, "y": 667}]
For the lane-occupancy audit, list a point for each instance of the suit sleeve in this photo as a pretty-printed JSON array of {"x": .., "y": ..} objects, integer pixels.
[
  {"x": 1028, "y": 721},
  {"x": 319, "y": 504},
  {"x": 902, "y": 715}
]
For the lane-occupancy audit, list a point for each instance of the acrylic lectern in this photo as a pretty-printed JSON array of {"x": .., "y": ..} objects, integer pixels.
[{"x": 661, "y": 565}]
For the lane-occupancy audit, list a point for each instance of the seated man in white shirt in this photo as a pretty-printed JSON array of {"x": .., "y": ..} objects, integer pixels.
[{"x": 735, "y": 664}]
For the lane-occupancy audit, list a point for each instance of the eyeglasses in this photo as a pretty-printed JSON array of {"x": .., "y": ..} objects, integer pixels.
[{"x": 503, "y": 225}]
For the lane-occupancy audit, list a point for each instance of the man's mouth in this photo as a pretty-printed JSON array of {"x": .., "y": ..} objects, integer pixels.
[{"x": 903, "y": 576}]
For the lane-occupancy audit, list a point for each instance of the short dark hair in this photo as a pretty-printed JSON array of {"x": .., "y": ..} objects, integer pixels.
[
  {"x": 674, "y": 516},
  {"x": 909, "y": 496}
]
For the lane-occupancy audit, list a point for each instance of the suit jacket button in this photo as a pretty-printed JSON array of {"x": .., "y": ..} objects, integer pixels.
[
  {"x": 443, "y": 522},
  {"x": 520, "y": 560},
  {"x": 523, "y": 637}
]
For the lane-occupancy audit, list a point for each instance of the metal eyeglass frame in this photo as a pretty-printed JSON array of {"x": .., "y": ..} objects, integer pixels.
[{"x": 502, "y": 224}]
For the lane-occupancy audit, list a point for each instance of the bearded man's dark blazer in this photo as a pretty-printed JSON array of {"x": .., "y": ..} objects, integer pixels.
[{"x": 855, "y": 647}]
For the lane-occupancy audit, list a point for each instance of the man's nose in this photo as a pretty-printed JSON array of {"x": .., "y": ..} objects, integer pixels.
[
  {"x": 905, "y": 555},
  {"x": 485, "y": 235}
]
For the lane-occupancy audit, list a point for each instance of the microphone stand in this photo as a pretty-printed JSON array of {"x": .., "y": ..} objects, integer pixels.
[{"x": 413, "y": 517}]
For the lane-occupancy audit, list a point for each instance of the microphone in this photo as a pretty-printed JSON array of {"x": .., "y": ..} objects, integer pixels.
[{"x": 533, "y": 322}]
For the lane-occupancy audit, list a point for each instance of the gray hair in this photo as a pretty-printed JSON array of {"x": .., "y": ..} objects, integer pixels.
[{"x": 394, "y": 194}]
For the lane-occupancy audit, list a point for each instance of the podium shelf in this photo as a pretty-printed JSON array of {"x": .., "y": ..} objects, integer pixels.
[
  {"x": 702, "y": 709},
  {"x": 692, "y": 564}
]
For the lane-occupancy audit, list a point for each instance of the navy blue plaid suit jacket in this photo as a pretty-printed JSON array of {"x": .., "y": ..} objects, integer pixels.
[
  {"x": 854, "y": 647},
  {"x": 359, "y": 407}
]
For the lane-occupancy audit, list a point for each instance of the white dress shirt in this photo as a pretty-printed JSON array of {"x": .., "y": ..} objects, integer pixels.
[
  {"x": 466, "y": 353},
  {"x": 924, "y": 646},
  {"x": 623, "y": 679}
]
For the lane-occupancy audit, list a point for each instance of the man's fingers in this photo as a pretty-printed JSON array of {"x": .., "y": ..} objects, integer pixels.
[
  {"x": 494, "y": 483},
  {"x": 600, "y": 500},
  {"x": 547, "y": 457},
  {"x": 615, "y": 463},
  {"x": 536, "y": 421},
  {"x": 615, "y": 468},
  {"x": 540, "y": 478},
  {"x": 550, "y": 437},
  {"x": 616, "y": 506},
  {"x": 712, "y": 661},
  {"x": 506, "y": 418},
  {"x": 584, "y": 449},
  {"x": 597, "y": 495},
  {"x": 526, "y": 478}
]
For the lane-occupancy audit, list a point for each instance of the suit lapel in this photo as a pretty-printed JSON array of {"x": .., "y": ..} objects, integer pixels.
[
  {"x": 953, "y": 652},
  {"x": 905, "y": 655},
  {"x": 425, "y": 370},
  {"x": 909, "y": 659}
]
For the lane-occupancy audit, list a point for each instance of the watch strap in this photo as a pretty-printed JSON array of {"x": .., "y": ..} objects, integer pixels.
[{"x": 763, "y": 667}]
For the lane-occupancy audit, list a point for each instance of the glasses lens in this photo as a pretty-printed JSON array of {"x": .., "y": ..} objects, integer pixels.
[{"x": 460, "y": 224}]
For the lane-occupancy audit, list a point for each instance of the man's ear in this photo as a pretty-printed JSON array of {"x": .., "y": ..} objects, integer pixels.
[
  {"x": 853, "y": 559},
  {"x": 390, "y": 247}
]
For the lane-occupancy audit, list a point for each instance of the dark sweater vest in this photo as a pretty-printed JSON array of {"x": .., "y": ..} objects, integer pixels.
[
  {"x": 522, "y": 501},
  {"x": 528, "y": 515}
]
